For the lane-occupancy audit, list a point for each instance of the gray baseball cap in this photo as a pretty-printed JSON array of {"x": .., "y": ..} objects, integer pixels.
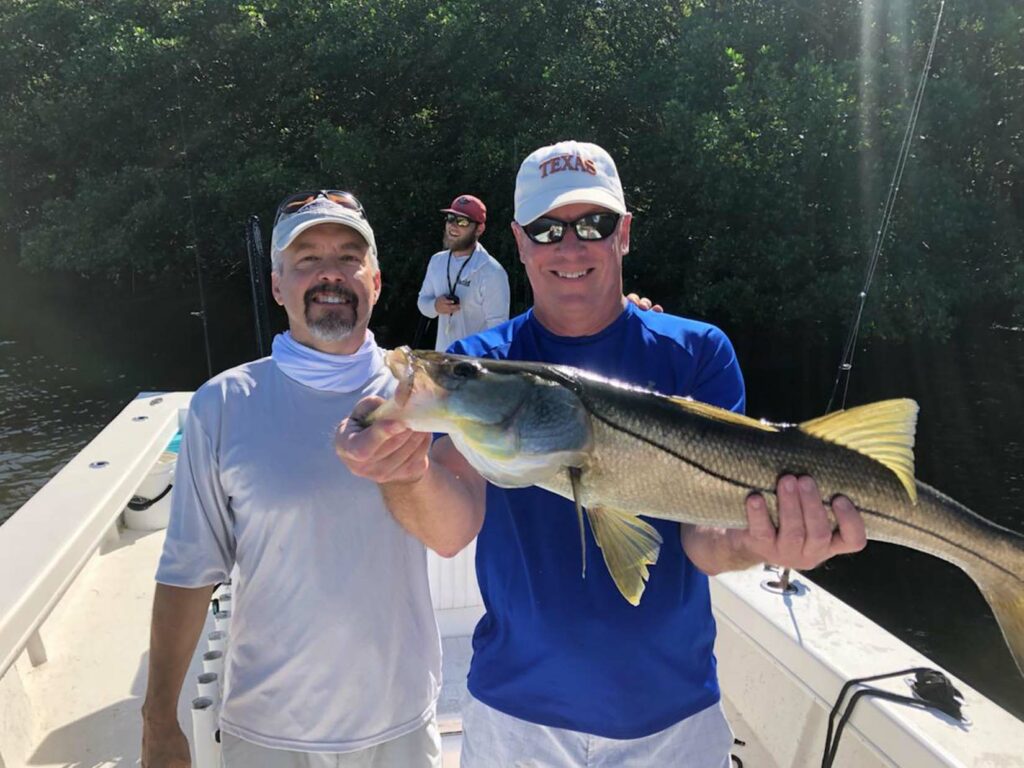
[{"x": 319, "y": 211}]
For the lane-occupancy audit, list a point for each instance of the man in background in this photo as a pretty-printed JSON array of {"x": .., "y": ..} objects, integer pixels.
[{"x": 465, "y": 287}]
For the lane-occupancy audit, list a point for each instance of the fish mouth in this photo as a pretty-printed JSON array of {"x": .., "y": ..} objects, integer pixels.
[
  {"x": 399, "y": 362},
  {"x": 412, "y": 370}
]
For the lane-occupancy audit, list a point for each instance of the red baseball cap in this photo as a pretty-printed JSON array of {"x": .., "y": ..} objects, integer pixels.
[{"x": 472, "y": 208}]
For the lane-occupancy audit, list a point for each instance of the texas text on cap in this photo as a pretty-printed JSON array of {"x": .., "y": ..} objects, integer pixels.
[
  {"x": 564, "y": 173},
  {"x": 469, "y": 206},
  {"x": 319, "y": 211}
]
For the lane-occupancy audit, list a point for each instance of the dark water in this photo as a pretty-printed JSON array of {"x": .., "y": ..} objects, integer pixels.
[{"x": 73, "y": 352}]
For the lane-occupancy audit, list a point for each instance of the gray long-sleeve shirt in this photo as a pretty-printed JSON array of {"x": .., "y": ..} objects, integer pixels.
[{"x": 333, "y": 645}]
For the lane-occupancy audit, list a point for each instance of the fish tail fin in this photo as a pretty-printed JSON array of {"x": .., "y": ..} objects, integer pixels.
[
  {"x": 629, "y": 545},
  {"x": 1003, "y": 589},
  {"x": 991, "y": 555}
]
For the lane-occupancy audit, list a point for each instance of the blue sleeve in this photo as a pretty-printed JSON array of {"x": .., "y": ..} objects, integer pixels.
[{"x": 718, "y": 379}]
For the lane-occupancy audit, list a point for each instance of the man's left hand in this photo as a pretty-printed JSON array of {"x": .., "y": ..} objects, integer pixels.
[
  {"x": 644, "y": 303},
  {"x": 805, "y": 538}
]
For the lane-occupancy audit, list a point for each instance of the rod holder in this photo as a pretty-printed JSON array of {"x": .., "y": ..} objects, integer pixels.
[
  {"x": 213, "y": 661},
  {"x": 209, "y": 687},
  {"x": 204, "y": 733},
  {"x": 217, "y": 640},
  {"x": 222, "y": 620}
]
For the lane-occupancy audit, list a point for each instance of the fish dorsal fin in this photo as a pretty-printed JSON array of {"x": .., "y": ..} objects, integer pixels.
[
  {"x": 883, "y": 431},
  {"x": 629, "y": 545},
  {"x": 721, "y": 414}
]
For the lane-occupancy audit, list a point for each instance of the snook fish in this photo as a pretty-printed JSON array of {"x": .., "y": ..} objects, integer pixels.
[{"x": 622, "y": 452}]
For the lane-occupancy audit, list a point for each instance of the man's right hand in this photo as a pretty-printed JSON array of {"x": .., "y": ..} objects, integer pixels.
[
  {"x": 446, "y": 306},
  {"x": 164, "y": 746}
]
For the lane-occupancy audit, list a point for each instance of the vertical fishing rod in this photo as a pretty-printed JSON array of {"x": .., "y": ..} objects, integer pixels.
[
  {"x": 846, "y": 363},
  {"x": 194, "y": 246},
  {"x": 258, "y": 267}
]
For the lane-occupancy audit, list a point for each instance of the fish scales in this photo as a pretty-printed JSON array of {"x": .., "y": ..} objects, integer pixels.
[{"x": 655, "y": 459}]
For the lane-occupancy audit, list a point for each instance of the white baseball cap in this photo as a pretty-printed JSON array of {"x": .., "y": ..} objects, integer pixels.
[
  {"x": 319, "y": 211},
  {"x": 563, "y": 173}
]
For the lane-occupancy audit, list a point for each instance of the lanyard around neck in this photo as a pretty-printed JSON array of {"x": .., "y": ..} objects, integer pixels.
[{"x": 448, "y": 273}]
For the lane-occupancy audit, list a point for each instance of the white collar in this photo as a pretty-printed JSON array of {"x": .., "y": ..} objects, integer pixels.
[{"x": 320, "y": 370}]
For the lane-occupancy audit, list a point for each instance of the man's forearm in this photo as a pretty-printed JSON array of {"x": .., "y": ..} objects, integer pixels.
[
  {"x": 713, "y": 551},
  {"x": 178, "y": 618},
  {"x": 425, "y": 304},
  {"x": 444, "y": 509}
]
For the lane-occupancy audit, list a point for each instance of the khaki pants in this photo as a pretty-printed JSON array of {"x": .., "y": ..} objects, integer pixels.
[{"x": 419, "y": 749}]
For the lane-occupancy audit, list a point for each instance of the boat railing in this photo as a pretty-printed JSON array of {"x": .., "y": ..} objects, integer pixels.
[{"x": 47, "y": 542}]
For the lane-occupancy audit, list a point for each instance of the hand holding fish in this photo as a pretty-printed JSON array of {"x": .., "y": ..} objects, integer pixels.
[
  {"x": 431, "y": 490},
  {"x": 386, "y": 451},
  {"x": 804, "y": 539}
]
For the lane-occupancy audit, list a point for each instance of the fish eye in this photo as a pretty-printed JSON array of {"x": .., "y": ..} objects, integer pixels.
[{"x": 465, "y": 370}]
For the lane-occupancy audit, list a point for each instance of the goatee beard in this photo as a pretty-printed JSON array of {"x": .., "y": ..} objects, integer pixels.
[{"x": 334, "y": 324}]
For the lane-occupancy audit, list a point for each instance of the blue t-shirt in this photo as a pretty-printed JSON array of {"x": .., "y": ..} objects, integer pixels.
[{"x": 558, "y": 649}]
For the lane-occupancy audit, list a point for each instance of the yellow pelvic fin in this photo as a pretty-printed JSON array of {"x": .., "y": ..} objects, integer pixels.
[
  {"x": 883, "y": 431},
  {"x": 629, "y": 545},
  {"x": 721, "y": 414}
]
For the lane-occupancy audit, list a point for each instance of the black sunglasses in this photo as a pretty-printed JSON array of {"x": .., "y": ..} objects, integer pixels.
[
  {"x": 593, "y": 226},
  {"x": 461, "y": 221},
  {"x": 294, "y": 203}
]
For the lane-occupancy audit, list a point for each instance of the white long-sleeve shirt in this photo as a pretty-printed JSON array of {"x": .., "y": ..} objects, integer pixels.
[{"x": 482, "y": 289}]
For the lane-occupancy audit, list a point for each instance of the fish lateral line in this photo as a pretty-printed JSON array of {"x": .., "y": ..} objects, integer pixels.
[
  {"x": 827, "y": 502},
  {"x": 675, "y": 454},
  {"x": 932, "y": 534}
]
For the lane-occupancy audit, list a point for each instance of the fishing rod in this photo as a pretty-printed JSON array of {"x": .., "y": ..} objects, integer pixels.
[
  {"x": 258, "y": 267},
  {"x": 193, "y": 237},
  {"x": 846, "y": 363}
]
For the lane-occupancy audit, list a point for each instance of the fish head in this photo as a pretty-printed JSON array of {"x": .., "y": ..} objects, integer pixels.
[
  {"x": 513, "y": 425},
  {"x": 437, "y": 391}
]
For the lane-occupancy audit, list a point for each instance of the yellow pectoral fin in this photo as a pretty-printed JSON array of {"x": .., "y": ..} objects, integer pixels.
[
  {"x": 883, "y": 431},
  {"x": 629, "y": 545}
]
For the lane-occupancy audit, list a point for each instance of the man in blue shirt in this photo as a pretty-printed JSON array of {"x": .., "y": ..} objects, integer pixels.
[{"x": 564, "y": 671}]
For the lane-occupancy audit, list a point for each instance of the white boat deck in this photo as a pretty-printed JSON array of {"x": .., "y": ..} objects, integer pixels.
[
  {"x": 94, "y": 679},
  {"x": 72, "y": 695}
]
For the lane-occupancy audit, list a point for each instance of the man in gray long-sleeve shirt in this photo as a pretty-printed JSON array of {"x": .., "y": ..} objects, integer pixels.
[
  {"x": 465, "y": 287},
  {"x": 334, "y": 657}
]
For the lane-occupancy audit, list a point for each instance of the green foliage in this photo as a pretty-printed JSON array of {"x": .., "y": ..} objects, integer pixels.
[{"x": 756, "y": 139}]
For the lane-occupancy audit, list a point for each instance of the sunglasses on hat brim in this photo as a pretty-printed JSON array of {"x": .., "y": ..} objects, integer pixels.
[
  {"x": 295, "y": 202},
  {"x": 592, "y": 226}
]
